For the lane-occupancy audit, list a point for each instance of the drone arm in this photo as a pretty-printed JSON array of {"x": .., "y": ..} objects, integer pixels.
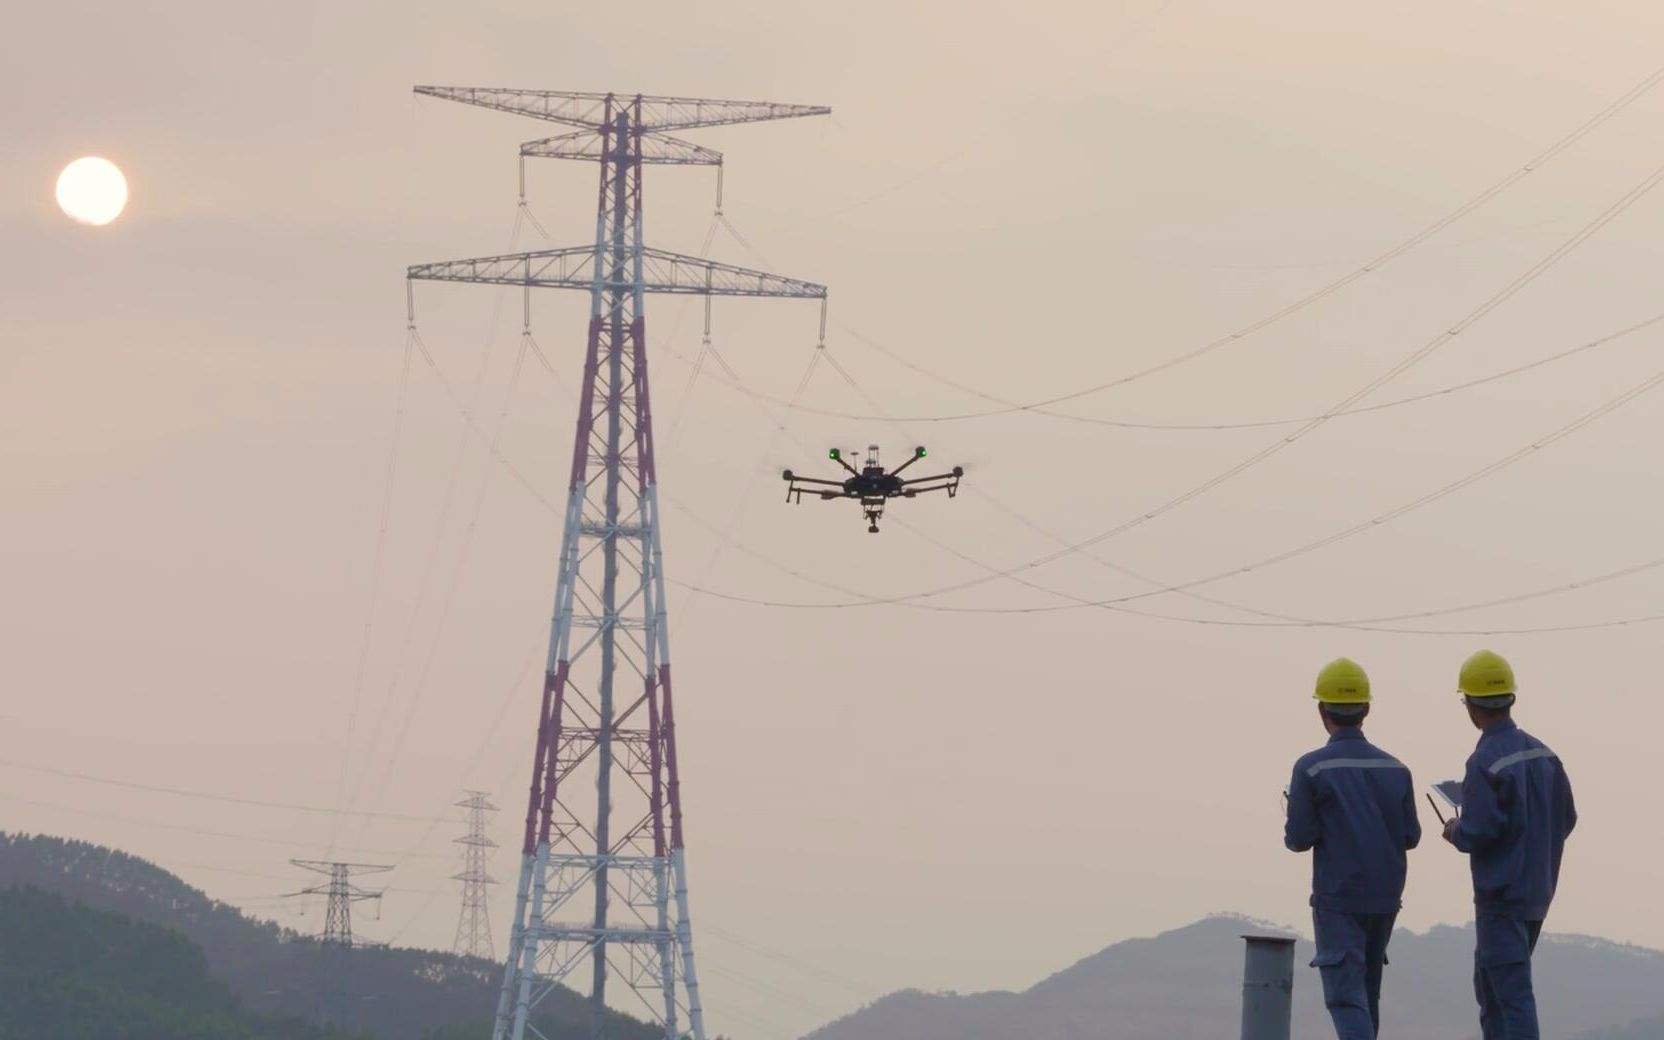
[
  {"x": 838, "y": 457},
  {"x": 918, "y": 453},
  {"x": 952, "y": 477},
  {"x": 815, "y": 480},
  {"x": 951, "y": 487}
]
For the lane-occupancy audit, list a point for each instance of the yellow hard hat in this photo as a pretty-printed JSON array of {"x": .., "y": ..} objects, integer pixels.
[
  {"x": 1486, "y": 674},
  {"x": 1342, "y": 681}
]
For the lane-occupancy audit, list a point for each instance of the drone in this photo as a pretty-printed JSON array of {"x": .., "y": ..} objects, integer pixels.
[{"x": 871, "y": 484}]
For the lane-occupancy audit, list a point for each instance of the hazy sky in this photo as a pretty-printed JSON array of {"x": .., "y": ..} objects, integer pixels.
[{"x": 1027, "y": 198}]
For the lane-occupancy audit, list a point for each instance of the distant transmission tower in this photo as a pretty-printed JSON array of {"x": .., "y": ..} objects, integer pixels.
[
  {"x": 473, "y": 925},
  {"x": 337, "y": 937},
  {"x": 595, "y": 894},
  {"x": 341, "y": 893}
]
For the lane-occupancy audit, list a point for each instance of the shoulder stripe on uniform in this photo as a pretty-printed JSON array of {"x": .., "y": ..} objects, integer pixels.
[
  {"x": 1354, "y": 763},
  {"x": 1520, "y": 756}
]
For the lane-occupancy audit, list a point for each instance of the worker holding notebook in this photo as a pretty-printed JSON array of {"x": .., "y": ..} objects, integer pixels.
[
  {"x": 1354, "y": 806},
  {"x": 1516, "y": 811}
]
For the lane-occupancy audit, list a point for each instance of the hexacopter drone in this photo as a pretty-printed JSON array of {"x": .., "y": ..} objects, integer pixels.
[{"x": 871, "y": 484}]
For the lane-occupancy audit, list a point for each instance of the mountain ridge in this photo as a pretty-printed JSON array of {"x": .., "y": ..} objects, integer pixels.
[
  {"x": 70, "y": 972},
  {"x": 1185, "y": 984},
  {"x": 390, "y": 992}
]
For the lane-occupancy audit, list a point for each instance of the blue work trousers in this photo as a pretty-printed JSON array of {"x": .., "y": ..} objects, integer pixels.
[
  {"x": 1502, "y": 976},
  {"x": 1351, "y": 955}
]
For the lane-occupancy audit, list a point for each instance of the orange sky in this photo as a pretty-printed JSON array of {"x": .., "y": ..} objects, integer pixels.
[{"x": 195, "y": 406}]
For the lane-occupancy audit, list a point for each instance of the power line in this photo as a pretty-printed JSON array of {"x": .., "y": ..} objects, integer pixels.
[
  {"x": 377, "y": 559},
  {"x": 447, "y": 499},
  {"x": 1490, "y": 304},
  {"x": 1279, "y": 620},
  {"x": 860, "y": 599},
  {"x": 1566, "y": 430},
  {"x": 1007, "y": 406},
  {"x": 181, "y": 828},
  {"x": 455, "y": 581},
  {"x": 1290, "y": 420},
  {"x": 1285, "y": 620},
  {"x": 1496, "y": 300},
  {"x": 777, "y": 956},
  {"x": 211, "y": 796}
]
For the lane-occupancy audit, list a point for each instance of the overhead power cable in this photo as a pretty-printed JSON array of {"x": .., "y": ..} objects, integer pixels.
[
  {"x": 204, "y": 832},
  {"x": 1582, "y": 626},
  {"x": 473, "y": 761},
  {"x": 1289, "y": 420},
  {"x": 376, "y": 562},
  {"x": 860, "y": 599},
  {"x": 1600, "y": 411},
  {"x": 449, "y": 598},
  {"x": 778, "y": 428},
  {"x": 1375, "y": 623},
  {"x": 209, "y": 796},
  {"x": 432, "y": 559},
  {"x": 1276, "y": 619},
  {"x": 1490, "y": 304},
  {"x": 1006, "y": 406},
  {"x": 880, "y": 415},
  {"x": 1467, "y": 321}
]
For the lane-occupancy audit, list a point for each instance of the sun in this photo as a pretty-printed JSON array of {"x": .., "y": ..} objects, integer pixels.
[{"x": 92, "y": 190}]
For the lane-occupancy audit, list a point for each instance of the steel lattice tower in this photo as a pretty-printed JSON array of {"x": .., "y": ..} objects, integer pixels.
[
  {"x": 336, "y": 937},
  {"x": 341, "y": 893},
  {"x": 605, "y": 892},
  {"x": 473, "y": 924}
]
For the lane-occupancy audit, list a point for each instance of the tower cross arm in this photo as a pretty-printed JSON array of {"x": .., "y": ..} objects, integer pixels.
[
  {"x": 661, "y": 272},
  {"x": 592, "y": 109},
  {"x": 656, "y": 149}
]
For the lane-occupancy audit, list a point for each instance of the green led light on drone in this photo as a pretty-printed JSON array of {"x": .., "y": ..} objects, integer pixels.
[{"x": 833, "y": 454}]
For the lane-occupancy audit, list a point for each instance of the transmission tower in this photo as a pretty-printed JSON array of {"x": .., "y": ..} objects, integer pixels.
[
  {"x": 336, "y": 937},
  {"x": 604, "y": 892},
  {"x": 473, "y": 925},
  {"x": 341, "y": 893}
]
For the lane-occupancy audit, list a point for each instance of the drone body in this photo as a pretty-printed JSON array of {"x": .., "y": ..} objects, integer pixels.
[{"x": 871, "y": 485}]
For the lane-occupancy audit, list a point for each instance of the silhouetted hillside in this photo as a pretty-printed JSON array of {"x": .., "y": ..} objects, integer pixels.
[
  {"x": 1645, "y": 1029},
  {"x": 1186, "y": 985},
  {"x": 69, "y": 972},
  {"x": 390, "y": 993}
]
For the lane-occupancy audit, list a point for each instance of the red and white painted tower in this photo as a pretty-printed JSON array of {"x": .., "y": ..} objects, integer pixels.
[{"x": 603, "y": 890}]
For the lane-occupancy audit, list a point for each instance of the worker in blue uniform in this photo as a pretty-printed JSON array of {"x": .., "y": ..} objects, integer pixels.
[
  {"x": 1516, "y": 813},
  {"x": 1354, "y": 806}
]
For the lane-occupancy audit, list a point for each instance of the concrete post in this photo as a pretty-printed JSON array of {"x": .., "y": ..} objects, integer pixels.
[{"x": 1267, "y": 987}]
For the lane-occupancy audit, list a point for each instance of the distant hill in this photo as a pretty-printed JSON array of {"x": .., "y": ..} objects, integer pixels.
[
  {"x": 388, "y": 993},
  {"x": 1186, "y": 984},
  {"x": 69, "y": 972},
  {"x": 1645, "y": 1029}
]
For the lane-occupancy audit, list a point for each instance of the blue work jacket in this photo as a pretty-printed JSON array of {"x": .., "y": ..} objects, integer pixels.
[
  {"x": 1355, "y": 806},
  {"x": 1516, "y": 813}
]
